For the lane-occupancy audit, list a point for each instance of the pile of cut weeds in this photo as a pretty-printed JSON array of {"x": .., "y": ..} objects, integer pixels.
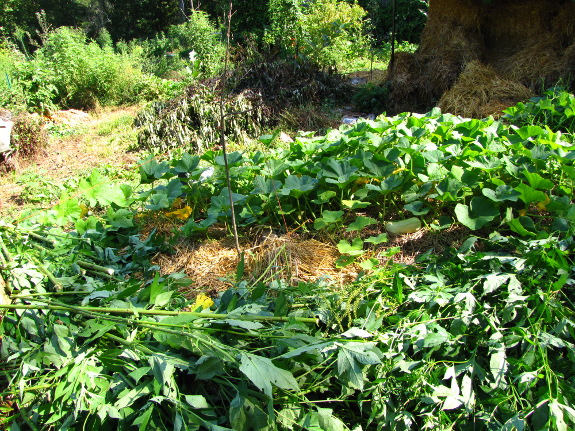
[{"x": 258, "y": 96}]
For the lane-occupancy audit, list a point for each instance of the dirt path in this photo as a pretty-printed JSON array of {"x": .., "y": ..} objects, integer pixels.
[{"x": 78, "y": 143}]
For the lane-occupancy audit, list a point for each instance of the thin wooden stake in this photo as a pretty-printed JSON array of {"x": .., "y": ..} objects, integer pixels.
[{"x": 223, "y": 128}]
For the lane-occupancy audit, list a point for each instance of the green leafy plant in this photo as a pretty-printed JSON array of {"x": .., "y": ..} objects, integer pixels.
[
  {"x": 555, "y": 109},
  {"x": 326, "y": 31},
  {"x": 194, "y": 45},
  {"x": 478, "y": 334},
  {"x": 439, "y": 166}
]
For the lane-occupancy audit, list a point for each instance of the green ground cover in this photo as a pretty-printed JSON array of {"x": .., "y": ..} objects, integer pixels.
[{"x": 477, "y": 336}]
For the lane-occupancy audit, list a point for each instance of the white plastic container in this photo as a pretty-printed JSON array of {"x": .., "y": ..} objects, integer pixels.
[{"x": 5, "y": 132}]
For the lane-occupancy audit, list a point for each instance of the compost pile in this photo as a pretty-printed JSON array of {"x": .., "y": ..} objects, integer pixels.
[
  {"x": 288, "y": 83},
  {"x": 258, "y": 96},
  {"x": 476, "y": 58}
]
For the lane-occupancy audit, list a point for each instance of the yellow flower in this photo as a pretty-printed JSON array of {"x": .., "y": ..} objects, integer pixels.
[
  {"x": 84, "y": 209},
  {"x": 203, "y": 301},
  {"x": 542, "y": 206},
  {"x": 181, "y": 214}
]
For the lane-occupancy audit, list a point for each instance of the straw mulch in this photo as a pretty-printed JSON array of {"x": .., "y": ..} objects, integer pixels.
[
  {"x": 212, "y": 264},
  {"x": 480, "y": 92},
  {"x": 414, "y": 244}
]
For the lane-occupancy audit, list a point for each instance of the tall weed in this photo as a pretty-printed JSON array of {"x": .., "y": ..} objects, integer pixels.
[
  {"x": 11, "y": 94},
  {"x": 69, "y": 71},
  {"x": 191, "y": 48}
]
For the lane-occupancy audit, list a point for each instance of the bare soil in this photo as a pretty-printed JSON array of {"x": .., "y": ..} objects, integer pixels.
[{"x": 68, "y": 155}]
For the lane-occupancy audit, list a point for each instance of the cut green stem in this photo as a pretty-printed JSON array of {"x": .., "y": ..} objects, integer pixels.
[{"x": 135, "y": 312}]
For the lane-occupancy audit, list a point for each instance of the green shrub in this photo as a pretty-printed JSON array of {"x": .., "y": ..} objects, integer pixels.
[
  {"x": 198, "y": 34},
  {"x": 11, "y": 94},
  {"x": 371, "y": 97},
  {"x": 87, "y": 75},
  {"x": 68, "y": 71},
  {"x": 328, "y": 32},
  {"x": 333, "y": 31},
  {"x": 172, "y": 51},
  {"x": 285, "y": 24}
]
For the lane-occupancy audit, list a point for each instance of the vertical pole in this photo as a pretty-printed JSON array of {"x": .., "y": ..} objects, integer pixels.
[
  {"x": 222, "y": 130},
  {"x": 392, "y": 59}
]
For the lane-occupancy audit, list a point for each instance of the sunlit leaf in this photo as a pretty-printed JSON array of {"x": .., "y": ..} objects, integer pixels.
[
  {"x": 478, "y": 213},
  {"x": 263, "y": 373}
]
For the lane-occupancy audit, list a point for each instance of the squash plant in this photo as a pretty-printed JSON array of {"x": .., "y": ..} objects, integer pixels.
[{"x": 437, "y": 167}]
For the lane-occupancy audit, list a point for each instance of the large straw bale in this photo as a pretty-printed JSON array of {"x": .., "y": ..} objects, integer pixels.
[
  {"x": 409, "y": 91},
  {"x": 537, "y": 66},
  {"x": 406, "y": 71},
  {"x": 480, "y": 87},
  {"x": 569, "y": 62},
  {"x": 443, "y": 52},
  {"x": 564, "y": 24},
  {"x": 529, "y": 42},
  {"x": 516, "y": 24},
  {"x": 462, "y": 12},
  {"x": 438, "y": 38}
]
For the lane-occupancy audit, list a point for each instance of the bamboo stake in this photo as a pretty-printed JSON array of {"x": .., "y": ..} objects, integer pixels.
[
  {"x": 125, "y": 342},
  {"x": 4, "y": 261},
  {"x": 41, "y": 238},
  {"x": 101, "y": 271},
  {"x": 94, "y": 267},
  {"x": 32, "y": 295}
]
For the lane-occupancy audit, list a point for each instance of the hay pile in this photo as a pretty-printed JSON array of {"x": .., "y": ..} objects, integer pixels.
[
  {"x": 212, "y": 264},
  {"x": 480, "y": 92},
  {"x": 516, "y": 44}
]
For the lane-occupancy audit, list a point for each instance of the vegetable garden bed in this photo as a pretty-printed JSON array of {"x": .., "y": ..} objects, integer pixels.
[{"x": 477, "y": 332}]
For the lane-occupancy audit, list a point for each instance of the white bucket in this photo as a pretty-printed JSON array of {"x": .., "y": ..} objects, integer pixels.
[{"x": 5, "y": 131}]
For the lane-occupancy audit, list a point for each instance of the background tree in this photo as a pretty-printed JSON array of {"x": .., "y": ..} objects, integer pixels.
[
  {"x": 410, "y": 16},
  {"x": 133, "y": 19},
  {"x": 249, "y": 16}
]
